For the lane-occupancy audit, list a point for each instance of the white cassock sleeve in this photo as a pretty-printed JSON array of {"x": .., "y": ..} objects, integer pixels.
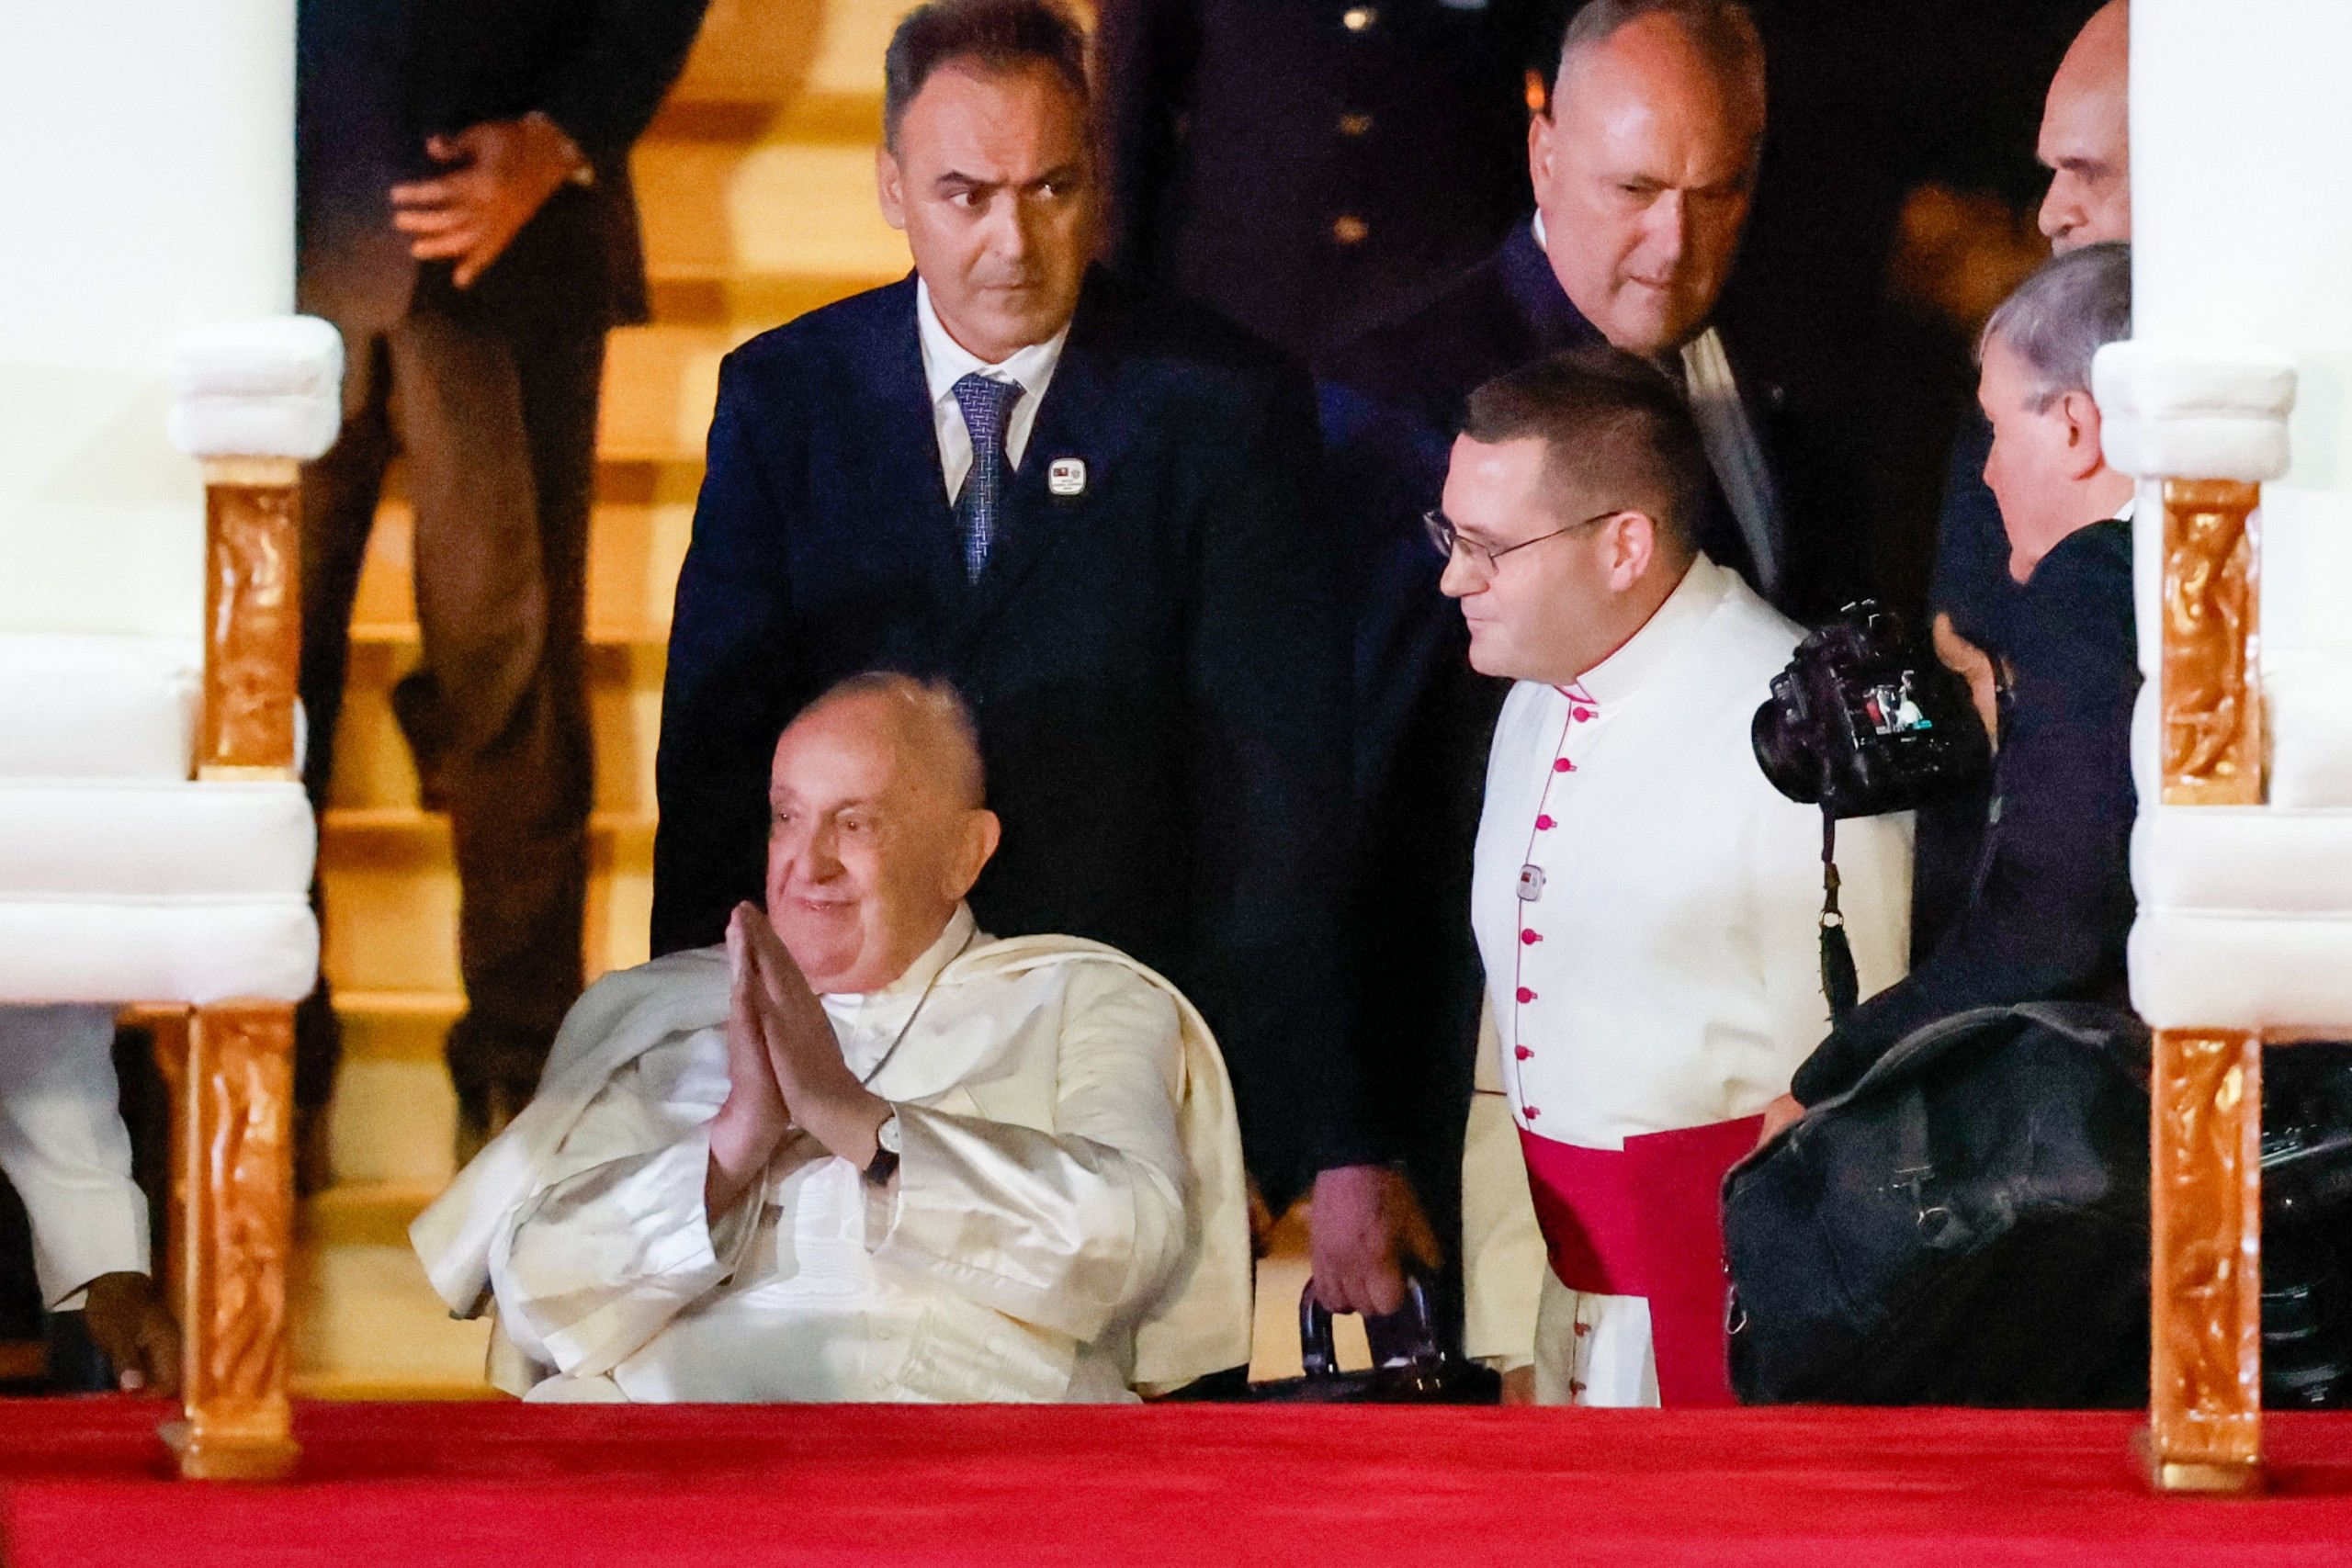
[
  {"x": 1065, "y": 1230},
  {"x": 1874, "y": 894},
  {"x": 615, "y": 1241},
  {"x": 1062, "y": 1230},
  {"x": 64, "y": 1148}
]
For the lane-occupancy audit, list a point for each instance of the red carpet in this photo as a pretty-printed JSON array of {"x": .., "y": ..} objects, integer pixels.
[{"x": 83, "y": 1483}]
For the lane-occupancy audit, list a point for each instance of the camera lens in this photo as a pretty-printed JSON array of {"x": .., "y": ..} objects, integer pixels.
[{"x": 1780, "y": 750}]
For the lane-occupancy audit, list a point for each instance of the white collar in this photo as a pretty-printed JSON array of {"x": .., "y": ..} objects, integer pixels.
[
  {"x": 1650, "y": 649},
  {"x": 892, "y": 1004},
  {"x": 947, "y": 362}
]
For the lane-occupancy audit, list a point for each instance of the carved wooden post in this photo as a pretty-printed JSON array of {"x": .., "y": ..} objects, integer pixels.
[
  {"x": 2212, "y": 683},
  {"x": 2205, "y": 1372},
  {"x": 2205, "y": 1376},
  {"x": 252, "y": 616},
  {"x": 2209, "y": 421},
  {"x": 233, "y": 1090},
  {"x": 236, "y": 1220},
  {"x": 2205, "y": 1394}
]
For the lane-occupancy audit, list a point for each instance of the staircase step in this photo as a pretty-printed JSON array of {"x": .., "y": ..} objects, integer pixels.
[
  {"x": 396, "y": 1026},
  {"x": 753, "y": 50},
  {"x": 849, "y": 50},
  {"x": 808, "y": 209},
  {"x": 660, "y": 383},
  {"x": 366, "y": 1324},
  {"x": 636, "y": 542},
  {"x": 365, "y": 1213},
  {"x": 394, "y": 1122},
  {"x": 412, "y": 824}
]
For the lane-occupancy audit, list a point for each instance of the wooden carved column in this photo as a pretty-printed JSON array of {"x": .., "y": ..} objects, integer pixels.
[
  {"x": 2213, "y": 685},
  {"x": 232, "y": 1069},
  {"x": 235, "y": 1191},
  {"x": 253, "y": 617},
  {"x": 2205, "y": 1393}
]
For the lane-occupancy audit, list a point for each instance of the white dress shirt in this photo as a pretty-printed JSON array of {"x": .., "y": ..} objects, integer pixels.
[
  {"x": 1667, "y": 975},
  {"x": 947, "y": 362},
  {"x": 1039, "y": 1207}
]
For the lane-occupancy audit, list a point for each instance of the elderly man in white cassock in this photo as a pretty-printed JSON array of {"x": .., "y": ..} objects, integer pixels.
[
  {"x": 1646, "y": 903},
  {"x": 864, "y": 1151}
]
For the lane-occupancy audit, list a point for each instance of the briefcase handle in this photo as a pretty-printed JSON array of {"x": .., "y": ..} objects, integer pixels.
[{"x": 1318, "y": 1349}]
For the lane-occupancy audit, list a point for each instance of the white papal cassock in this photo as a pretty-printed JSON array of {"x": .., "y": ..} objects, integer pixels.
[
  {"x": 1068, "y": 1221},
  {"x": 1647, "y": 904}
]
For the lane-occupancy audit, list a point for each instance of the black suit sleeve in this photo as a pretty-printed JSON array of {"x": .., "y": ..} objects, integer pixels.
[
  {"x": 1145, "y": 51},
  {"x": 731, "y": 683},
  {"x": 2053, "y": 905},
  {"x": 605, "y": 96},
  {"x": 1267, "y": 670}
]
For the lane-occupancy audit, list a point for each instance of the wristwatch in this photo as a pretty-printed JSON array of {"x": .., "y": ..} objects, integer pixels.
[{"x": 885, "y": 1164}]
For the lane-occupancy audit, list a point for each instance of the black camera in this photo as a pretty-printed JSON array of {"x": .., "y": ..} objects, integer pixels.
[{"x": 1860, "y": 723}]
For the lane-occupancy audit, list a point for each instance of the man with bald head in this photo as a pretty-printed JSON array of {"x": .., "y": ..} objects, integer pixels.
[
  {"x": 864, "y": 1151},
  {"x": 1643, "y": 163},
  {"x": 2086, "y": 145}
]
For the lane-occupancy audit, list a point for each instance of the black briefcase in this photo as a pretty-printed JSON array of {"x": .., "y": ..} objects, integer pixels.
[
  {"x": 1415, "y": 1369},
  {"x": 1967, "y": 1225}
]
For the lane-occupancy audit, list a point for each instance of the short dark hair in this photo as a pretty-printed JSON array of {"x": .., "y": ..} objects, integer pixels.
[
  {"x": 1722, "y": 32},
  {"x": 1610, "y": 424},
  {"x": 999, "y": 34}
]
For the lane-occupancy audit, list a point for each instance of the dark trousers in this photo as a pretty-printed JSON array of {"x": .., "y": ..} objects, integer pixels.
[{"x": 497, "y": 423}]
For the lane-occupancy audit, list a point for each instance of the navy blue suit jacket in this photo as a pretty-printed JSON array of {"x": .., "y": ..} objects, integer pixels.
[
  {"x": 1306, "y": 166},
  {"x": 1157, "y": 665},
  {"x": 2050, "y": 907},
  {"x": 1391, "y": 404}
]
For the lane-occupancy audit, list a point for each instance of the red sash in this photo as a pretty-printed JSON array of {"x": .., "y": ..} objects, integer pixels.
[{"x": 1648, "y": 1222}]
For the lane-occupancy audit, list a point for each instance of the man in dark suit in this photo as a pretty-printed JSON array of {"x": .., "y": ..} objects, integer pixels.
[
  {"x": 2085, "y": 144},
  {"x": 1309, "y": 167},
  {"x": 466, "y": 223},
  {"x": 1642, "y": 165},
  {"x": 1082, "y": 504},
  {"x": 2049, "y": 910}
]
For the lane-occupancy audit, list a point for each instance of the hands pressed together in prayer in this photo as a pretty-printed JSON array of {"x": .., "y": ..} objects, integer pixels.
[
  {"x": 502, "y": 172},
  {"x": 784, "y": 1069}
]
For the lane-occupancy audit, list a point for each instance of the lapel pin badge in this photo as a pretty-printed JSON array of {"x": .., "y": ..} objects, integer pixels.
[{"x": 1065, "y": 477}]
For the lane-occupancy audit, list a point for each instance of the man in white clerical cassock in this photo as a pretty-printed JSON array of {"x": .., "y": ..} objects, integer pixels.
[
  {"x": 1646, "y": 903},
  {"x": 864, "y": 1152}
]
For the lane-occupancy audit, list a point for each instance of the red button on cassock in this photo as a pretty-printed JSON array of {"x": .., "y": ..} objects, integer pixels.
[
  {"x": 1543, "y": 824},
  {"x": 1531, "y": 938},
  {"x": 1564, "y": 766},
  {"x": 1531, "y": 1114},
  {"x": 1522, "y": 1052},
  {"x": 1581, "y": 715},
  {"x": 1525, "y": 995}
]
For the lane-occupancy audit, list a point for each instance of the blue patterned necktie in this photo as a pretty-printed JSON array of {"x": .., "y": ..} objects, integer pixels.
[{"x": 988, "y": 405}]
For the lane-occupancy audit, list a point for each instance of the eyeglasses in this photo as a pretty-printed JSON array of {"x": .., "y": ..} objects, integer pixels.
[{"x": 1447, "y": 538}]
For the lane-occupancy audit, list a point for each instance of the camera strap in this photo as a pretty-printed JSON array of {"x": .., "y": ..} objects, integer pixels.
[{"x": 1838, "y": 981}]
